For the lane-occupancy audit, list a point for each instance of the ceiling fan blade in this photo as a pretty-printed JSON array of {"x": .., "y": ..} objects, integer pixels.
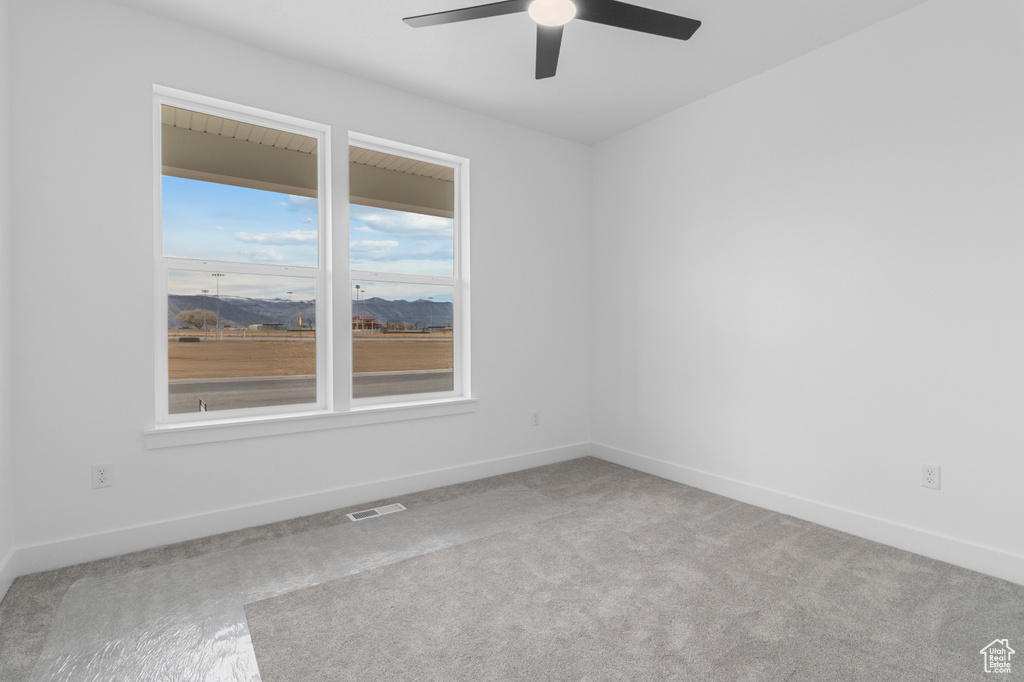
[
  {"x": 634, "y": 18},
  {"x": 549, "y": 42},
  {"x": 494, "y": 9}
]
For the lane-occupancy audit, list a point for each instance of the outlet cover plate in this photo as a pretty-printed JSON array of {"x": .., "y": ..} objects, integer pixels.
[
  {"x": 102, "y": 475},
  {"x": 931, "y": 476}
]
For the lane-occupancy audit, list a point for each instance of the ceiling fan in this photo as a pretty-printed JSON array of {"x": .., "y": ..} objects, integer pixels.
[{"x": 552, "y": 15}]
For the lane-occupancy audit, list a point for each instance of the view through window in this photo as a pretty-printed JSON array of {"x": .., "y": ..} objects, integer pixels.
[
  {"x": 242, "y": 263},
  {"x": 244, "y": 275},
  {"x": 404, "y": 274}
]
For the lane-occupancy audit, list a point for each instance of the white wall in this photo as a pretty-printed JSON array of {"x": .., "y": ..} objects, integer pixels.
[
  {"x": 6, "y": 442},
  {"x": 826, "y": 262},
  {"x": 82, "y": 78}
]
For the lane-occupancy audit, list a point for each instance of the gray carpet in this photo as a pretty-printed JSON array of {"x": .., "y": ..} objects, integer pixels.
[
  {"x": 644, "y": 580},
  {"x": 31, "y": 608},
  {"x": 185, "y": 620}
]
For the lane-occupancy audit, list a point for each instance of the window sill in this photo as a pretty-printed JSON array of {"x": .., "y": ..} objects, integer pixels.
[{"x": 194, "y": 433}]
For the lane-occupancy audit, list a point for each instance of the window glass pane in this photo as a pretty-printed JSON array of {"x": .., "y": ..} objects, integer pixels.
[
  {"x": 239, "y": 340},
  {"x": 400, "y": 242},
  {"x": 401, "y": 339},
  {"x": 214, "y": 221}
]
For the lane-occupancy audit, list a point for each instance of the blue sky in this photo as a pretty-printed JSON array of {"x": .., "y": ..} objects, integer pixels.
[
  {"x": 212, "y": 221},
  {"x": 222, "y": 222},
  {"x": 192, "y": 283},
  {"x": 388, "y": 241},
  {"x": 384, "y": 240}
]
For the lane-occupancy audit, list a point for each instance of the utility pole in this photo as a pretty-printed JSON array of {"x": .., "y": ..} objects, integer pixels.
[
  {"x": 359, "y": 324},
  {"x": 218, "y": 275},
  {"x": 206, "y": 333}
]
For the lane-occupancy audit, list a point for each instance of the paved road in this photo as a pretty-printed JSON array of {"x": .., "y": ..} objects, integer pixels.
[
  {"x": 373, "y": 384},
  {"x": 228, "y": 394}
]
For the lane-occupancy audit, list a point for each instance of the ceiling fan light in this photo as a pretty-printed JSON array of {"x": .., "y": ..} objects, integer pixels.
[{"x": 552, "y": 12}]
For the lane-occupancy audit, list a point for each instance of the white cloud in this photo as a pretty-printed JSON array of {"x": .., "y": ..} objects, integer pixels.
[
  {"x": 374, "y": 263},
  {"x": 364, "y": 228},
  {"x": 301, "y": 204},
  {"x": 371, "y": 246},
  {"x": 252, "y": 286},
  {"x": 278, "y": 238},
  {"x": 401, "y": 224},
  {"x": 263, "y": 256}
]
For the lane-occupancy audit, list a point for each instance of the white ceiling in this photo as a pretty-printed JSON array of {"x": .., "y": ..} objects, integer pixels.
[{"x": 608, "y": 81}]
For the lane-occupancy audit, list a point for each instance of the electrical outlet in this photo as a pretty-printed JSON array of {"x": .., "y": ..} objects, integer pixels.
[
  {"x": 931, "y": 476},
  {"x": 536, "y": 418},
  {"x": 102, "y": 475}
]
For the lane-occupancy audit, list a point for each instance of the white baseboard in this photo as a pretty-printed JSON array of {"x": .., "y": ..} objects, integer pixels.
[
  {"x": 7, "y": 573},
  {"x": 52, "y": 555},
  {"x": 955, "y": 551}
]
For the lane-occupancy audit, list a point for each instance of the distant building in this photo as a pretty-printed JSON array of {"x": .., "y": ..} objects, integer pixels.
[
  {"x": 365, "y": 323},
  {"x": 269, "y": 326}
]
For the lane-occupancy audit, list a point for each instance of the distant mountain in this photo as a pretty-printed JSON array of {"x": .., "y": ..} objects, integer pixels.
[{"x": 241, "y": 312}]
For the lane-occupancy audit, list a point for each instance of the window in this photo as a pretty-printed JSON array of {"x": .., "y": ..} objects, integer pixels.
[
  {"x": 242, "y": 272},
  {"x": 408, "y": 273},
  {"x": 245, "y": 277}
]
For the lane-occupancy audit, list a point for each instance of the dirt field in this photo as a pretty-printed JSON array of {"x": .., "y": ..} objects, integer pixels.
[
  {"x": 395, "y": 353},
  {"x": 275, "y": 356}
]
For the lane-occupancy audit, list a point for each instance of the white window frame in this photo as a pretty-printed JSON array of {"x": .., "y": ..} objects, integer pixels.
[
  {"x": 459, "y": 281},
  {"x": 321, "y": 273},
  {"x": 335, "y": 407}
]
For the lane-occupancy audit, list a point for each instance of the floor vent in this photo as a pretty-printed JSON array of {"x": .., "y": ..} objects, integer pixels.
[{"x": 376, "y": 511}]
